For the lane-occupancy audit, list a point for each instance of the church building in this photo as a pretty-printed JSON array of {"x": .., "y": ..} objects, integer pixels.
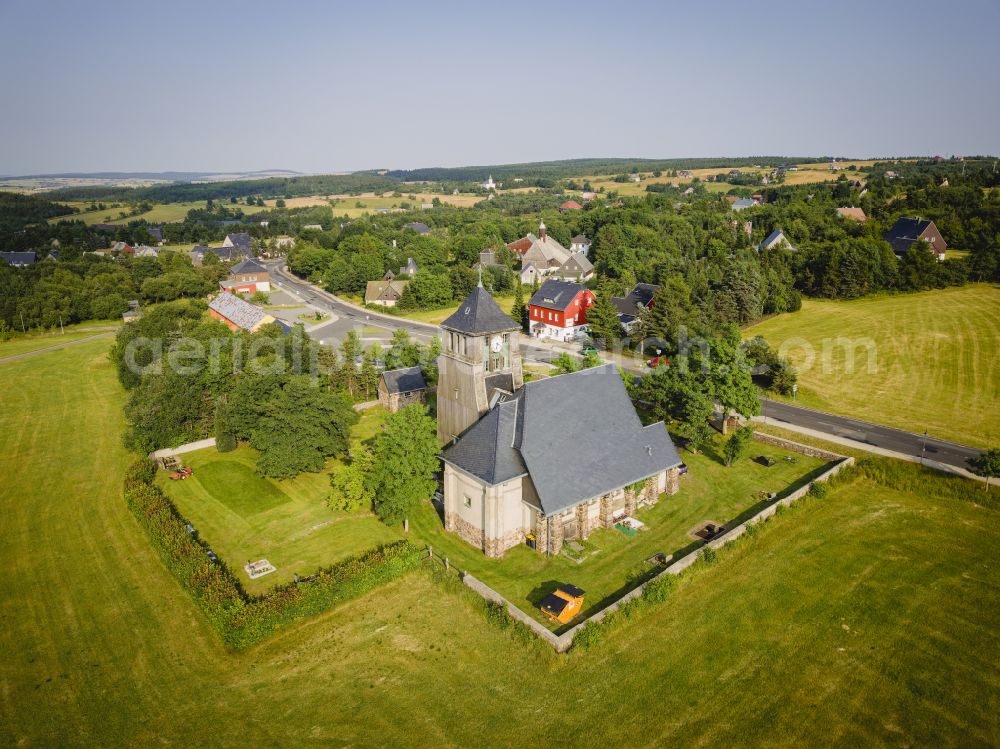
[{"x": 541, "y": 462}]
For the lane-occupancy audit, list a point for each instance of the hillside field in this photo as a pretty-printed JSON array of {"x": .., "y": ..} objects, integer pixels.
[
  {"x": 935, "y": 355},
  {"x": 864, "y": 611}
]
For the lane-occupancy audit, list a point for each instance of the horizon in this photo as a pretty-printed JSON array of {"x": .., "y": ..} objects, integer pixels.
[
  {"x": 329, "y": 89},
  {"x": 108, "y": 173}
]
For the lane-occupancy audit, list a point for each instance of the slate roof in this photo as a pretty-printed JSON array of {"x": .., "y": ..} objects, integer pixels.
[
  {"x": 486, "y": 450},
  {"x": 555, "y": 294},
  {"x": 628, "y": 305},
  {"x": 241, "y": 239},
  {"x": 577, "y": 265},
  {"x": 479, "y": 314},
  {"x": 586, "y": 416},
  {"x": 250, "y": 265},
  {"x": 405, "y": 380},
  {"x": 156, "y": 232},
  {"x": 226, "y": 254},
  {"x": 237, "y": 311},
  {"x": 744, "y": 203},
  {"x": 410, "y": 268},
  {"x": 386, "y": 289},
  {"x": 774, "y": 238},
  {"x": 18, "y": 258},
  {"x": 580, "y": 239},
  {"x": 905, "y": 232},
  {"x": 418, "y": 226}
]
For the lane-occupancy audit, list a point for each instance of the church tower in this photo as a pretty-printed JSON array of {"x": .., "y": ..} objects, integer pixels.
[{"x": 480, "y": 361}]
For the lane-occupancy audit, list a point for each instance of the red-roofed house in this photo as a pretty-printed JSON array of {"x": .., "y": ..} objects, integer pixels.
[
  {"x": 570, "y": 205},
  {"x": 559, "y": 310}
]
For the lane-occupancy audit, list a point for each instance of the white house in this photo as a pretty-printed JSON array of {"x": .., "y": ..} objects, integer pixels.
[{"x": 580, "y": 243}]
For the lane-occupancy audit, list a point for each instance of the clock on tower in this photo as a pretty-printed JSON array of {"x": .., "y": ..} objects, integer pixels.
[{"x": 479, "y": 356}]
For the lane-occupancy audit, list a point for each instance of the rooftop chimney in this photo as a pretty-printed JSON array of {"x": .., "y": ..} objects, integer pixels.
[{"x": 541, "y": 230}]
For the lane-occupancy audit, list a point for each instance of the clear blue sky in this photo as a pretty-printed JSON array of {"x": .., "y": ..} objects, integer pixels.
[{"x": 325, "y": 86}]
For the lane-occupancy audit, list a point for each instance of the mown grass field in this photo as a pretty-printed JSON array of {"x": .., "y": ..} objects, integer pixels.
[
  {"x": 369, "y": 201},
  {"x": 436, "y": 316},
  {"x": 245, "y": 517},
  {"x": 613, "y": 563},
  {"x": 23, "y": 344},
  {"x": 936, "y": 360},
  {"x": 866, "y": 618},
  {"x": 161, "y": 213}
]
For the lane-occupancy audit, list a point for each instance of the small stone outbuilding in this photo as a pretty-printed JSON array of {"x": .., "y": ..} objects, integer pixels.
[{"x": 401, "y": 387}]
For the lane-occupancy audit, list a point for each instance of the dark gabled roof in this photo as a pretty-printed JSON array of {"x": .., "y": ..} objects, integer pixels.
[
  {"x": 156, "y": 232},
  {"x": 405, "y": 380},
  {"x": 642, "y": 294},
  {"x": 227, "y": 254},
  {"x": 905, "y": 232},
  {"x": 250, "y": 265},
  {"x": 628, "y": 306},
  {"x": 555, "y": 294},
  {"x": 588, "y": 415},
  {"x": 18, "y": 258},
  {"x": 418, "y": 226},
  {"x": 479, "y": 314},
  {"x": 585, "y": 416},
  {"x": 241, "y": 239},
  {"x": 580, "y": 239},
  {"x": 486, "y": 449}
]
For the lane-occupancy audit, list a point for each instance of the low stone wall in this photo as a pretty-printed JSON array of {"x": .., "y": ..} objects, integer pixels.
[
  {"x": 809, "y": 450},
  {"x": 563, "y": 642},
  {"x": 560, "y": 643}
]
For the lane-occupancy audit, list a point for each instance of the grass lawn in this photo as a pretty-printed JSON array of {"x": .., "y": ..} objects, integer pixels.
[
  {"x": 369, "y": 201},
  {"x": 161, "y": 213},
  {"x": 613, "y": 563},
  {"x": 438, "y": 315},
  {"x": 246, "y": 517},
  {"x": 25, "y": 344},
  {"x": 936, "y": 360},
  {"x": 864, "y": 619}
]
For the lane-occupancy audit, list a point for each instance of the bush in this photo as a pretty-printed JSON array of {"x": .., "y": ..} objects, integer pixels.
[
  {"x": 819, "y": 489},
  {"x": 709, "y": 555},
  {"x": 142, "y": 471},
  {"x": 659, "y": 589},
  {"x": 240, "y": 619}
]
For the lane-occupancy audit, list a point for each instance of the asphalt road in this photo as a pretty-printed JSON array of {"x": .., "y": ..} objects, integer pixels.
[
  {"x": 350, "y": 317},
  {"x": 887, "y": 438}
]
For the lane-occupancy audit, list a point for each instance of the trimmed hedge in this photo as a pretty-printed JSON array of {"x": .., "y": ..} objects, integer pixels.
[{"x": 243, "y": 620}]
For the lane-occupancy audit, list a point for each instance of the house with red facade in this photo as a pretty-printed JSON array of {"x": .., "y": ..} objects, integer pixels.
[{"x": 559, "y": 310}]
